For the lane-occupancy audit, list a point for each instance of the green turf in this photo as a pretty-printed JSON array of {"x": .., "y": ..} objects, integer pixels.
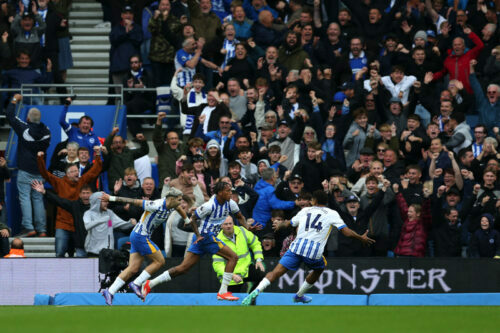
[{"x": 76, "y": 319}]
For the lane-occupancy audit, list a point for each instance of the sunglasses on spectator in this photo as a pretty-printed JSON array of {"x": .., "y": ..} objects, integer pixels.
[
  {"x": 381, "y": 150},
  {"x": 309, "y": 133}
]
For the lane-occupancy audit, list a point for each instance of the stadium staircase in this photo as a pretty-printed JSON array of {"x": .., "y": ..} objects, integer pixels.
[
  {"x": 38, "y": 247},
  {"x": 90, "y": 48}
]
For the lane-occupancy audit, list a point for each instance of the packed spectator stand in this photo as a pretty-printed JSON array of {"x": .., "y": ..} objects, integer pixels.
[{"x": 280, "y": 98}]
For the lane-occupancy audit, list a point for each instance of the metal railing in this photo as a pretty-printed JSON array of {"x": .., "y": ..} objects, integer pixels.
[
  {"x": 29, "y": 91},
  {"x": 71, "y": 91}
]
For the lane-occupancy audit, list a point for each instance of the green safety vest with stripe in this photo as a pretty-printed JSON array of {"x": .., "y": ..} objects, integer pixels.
[{"x": 246, "y": 241}]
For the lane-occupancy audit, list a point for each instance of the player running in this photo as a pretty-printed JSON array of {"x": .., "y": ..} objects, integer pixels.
[
  {"x": 211, "y": 214},
  {"x": 314, "y": 226},
  {"x": 155, "y": 213}
]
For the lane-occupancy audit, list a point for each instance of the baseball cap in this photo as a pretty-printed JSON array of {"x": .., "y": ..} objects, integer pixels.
[
  {"x": 27, "y": 14},
  {"x": 431, "y": 33},
  {"x": 366, "y": 151},
  {"x": 283, "y": 122},
  {"x": 269, "y": 235},
  {"x": 127, "y": 8},
  {"x": 395, "y": 100},
  {"x": 295, "y": 176},
  {"x": 453, "y": 190},
  {"x": 198, "y": 157},
  {"x": 347, "y": 85},
  {"x": 339, "y": 97},
  {"x": 352, "y": 198}
]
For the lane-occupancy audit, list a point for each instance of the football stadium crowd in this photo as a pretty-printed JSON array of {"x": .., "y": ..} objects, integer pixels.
[{"x": 389, "y": 106}]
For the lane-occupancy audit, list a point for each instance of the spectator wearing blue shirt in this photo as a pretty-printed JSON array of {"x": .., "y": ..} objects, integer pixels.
[
  {"x": 188, "y": 58},
  {"x": 83, "y": 134},
  {"x": 254, "y": 7},
  {"x": 228, "y": 130},
  {"x": 267, "y": 200},
  {"x": 241, "y": 23},
  {"x": 487, "y": 106}
]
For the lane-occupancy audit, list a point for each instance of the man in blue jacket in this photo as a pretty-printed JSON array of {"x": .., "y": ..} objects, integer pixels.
[
  {"x": 268, "y": 201},
  {"x": 488, "y": 106},
  {"x": 83, "y": 134},
  {"x": 33, "y": 136}
]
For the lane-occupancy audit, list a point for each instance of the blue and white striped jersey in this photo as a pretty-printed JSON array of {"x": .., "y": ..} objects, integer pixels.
[
  {"x": 230, "y": 47},
  {"x": 186, "y": 76},
  {"x": 212, "y": 214},
  {"x": 155, "y": 213},
  {"x": 314, "y": 227}
]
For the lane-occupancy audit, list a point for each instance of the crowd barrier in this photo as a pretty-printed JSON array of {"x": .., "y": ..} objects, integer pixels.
[
  {"x": 428, "y": 280},
  {"x": 209, "y": 299}
]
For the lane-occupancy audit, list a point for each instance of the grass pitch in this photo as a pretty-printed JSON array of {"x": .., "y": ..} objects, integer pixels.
[{"x": 120, "y": 319}]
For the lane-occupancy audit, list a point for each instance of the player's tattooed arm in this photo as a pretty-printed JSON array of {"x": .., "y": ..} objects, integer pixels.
[{"x": 110, "y": 198}]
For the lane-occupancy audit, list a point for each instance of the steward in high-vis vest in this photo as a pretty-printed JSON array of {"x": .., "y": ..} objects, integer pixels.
[{"x": 242, "y": 242}]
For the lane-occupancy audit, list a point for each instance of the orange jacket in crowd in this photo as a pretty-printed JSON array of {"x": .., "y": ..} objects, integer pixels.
[{"x": 68, "y": 189}]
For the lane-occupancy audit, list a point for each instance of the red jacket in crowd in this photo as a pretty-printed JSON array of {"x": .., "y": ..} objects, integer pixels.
[
  {"x": 458, "y": 66},
  {"x": 413, "y": 235}
]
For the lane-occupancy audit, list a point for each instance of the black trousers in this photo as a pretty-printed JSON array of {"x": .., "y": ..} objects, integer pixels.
[
  {"x": 254, "y": 275},
  {"x": 4, "y": 246}
]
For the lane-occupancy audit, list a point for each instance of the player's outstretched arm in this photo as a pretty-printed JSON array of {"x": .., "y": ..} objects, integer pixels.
[
  {"x": 245, "y": 224},
  {"x": 362, "y": 238},
  {"x": 111, "y": 198},
  {"x": 281, "y": 225}
]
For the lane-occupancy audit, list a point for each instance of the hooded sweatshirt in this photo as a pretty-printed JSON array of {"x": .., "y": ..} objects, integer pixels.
[
  {"x": 485, "y": 242},
  {"x": 33, "y": 137},
  {"x": 100, "y": 224}
]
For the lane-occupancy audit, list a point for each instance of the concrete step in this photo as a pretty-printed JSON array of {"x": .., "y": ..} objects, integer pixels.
[
  {"x": 91, "y": 64},
  {"x": 86, "y": 6},
  {"x": 84, "y": 14},
  {"x": 89, "y": 31},
  {"x": 38, "y": 248},
  {"x": 40, "y": 255},
  {"x": 76, "y": 72},
  {"x": 90, "y": 56},
  {"x": 90, "y": 40},
  {"x": 85, "y": 23},
  {"x": 90, "y": 48},
  {"x": 36, "y": 240},
  {"x": 87, "y": 80}
]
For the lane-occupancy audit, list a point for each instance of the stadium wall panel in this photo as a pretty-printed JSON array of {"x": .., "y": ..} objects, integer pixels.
[{"x": 22, "y": 279}]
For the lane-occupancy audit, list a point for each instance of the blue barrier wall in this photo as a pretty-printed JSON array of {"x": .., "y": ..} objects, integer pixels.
[
  {"x": 209, "y": 299},
  {"x": 105, "y": 118}
]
